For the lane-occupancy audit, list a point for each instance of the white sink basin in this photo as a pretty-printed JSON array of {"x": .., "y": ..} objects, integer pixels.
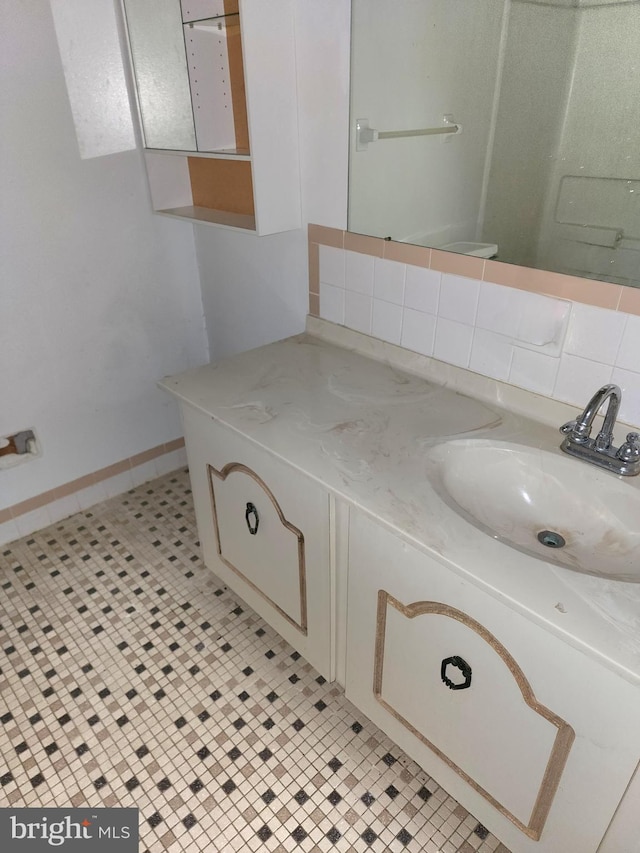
[{"x": 514, "y": 493}]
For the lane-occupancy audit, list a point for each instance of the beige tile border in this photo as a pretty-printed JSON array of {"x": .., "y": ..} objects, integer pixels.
[
  {"x": 12, "y": 512},
  {"x": 599, "y": 293},
  {"x": 326, "y": 236},
  {"x": 465, "y": 265},
  {"x": 314, "y": 304},
  {"x": 417, "y": 256},
  {"x": 630, "y": 300},
  {"x": 363, "y": 244},
  {"x": 175, "y": 444},
  {"x": 602, "y": 294},
  {"x": 314, "y": 267}
]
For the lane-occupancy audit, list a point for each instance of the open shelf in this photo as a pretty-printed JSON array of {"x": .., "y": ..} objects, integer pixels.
[
  {"x": 222, "y": 185},
  {"x": 220, "y": 154},
  {"x": 239, "y": 73},
  {"x": 210, "y": 216}
]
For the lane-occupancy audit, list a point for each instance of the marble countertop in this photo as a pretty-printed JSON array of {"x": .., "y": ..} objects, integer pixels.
[{"x": 363, "y": 427}]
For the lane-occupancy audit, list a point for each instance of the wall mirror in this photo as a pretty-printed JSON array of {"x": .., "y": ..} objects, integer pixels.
[
  {"x": 187, "y": 62},
  {"x": 500, "y": 128}
]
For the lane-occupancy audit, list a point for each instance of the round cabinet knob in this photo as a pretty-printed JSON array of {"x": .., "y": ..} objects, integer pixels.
[{"x": 456, "y": 667}]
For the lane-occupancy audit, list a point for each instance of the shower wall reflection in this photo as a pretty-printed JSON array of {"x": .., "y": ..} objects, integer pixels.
[{"x": 547, "y": 165}]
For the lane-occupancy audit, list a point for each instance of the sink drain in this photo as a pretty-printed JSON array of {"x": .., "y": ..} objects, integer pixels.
[{"x": 551, "y": 539}]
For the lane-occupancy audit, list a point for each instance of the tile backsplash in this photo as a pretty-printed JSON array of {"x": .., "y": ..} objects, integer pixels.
[{"x": 542, "y": 336}]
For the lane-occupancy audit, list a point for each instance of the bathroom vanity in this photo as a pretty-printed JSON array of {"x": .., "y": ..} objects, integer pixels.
[{"x": 319, "y": 474}]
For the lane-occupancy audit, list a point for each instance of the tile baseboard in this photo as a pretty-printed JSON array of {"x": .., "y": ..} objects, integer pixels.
[{"x": 51, "y": 506}]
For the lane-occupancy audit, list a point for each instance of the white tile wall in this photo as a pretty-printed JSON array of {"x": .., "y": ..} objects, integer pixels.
[
  {"x": 359, "y": 272},
  {"x": 542, "y": 323},
  {"x": 422, "y": 289},
  {"x": 534, "y": 371},
  {"x": 578, "y": 378},
  {"x": 550, "y": 346},
  {"x": 388, "y": 281},
  {"x": 161, "y": 465},
  {"x": 34, "y": 520},
  {"x": 453, "y": 342},
  {"x": 532, "y": 321},
  {"x": 459, "y": 299},
  {"x": 595, "y": 333},
  {"x": 332, "y": 303},
  {"x": 629, "y": 381},
  {"x": 418, "y": 331},
  {"x": 332, "y": 266},
  {"x": 491, "y": 354},
  {"x": 357, "y": 311},
  {"x": 8, "y": 532},
  {"x": 497, "y": 308},
  {"x": 386, "y": 323},
  {"x": 628, "y": 355},
  {"x": 118, "y": 484}
]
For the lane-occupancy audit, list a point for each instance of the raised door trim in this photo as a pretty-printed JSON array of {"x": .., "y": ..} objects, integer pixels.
[
  {"x": 564, "y": 737},
  {"x": 238, "y": 467}
]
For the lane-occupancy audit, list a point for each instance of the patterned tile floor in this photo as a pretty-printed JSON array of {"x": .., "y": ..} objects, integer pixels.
[{"x": 129, "y": 676}]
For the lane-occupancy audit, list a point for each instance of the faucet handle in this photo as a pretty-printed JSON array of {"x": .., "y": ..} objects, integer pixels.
[
  {"x": 578, "y": 430},
  {"x": 630, "y": 450}
]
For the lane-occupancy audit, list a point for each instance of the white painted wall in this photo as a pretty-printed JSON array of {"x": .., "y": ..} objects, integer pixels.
[
  {"x": 255, "y": 290},
  {"x": 416, "y": 62},
  {"x": 99, "y": 297}
]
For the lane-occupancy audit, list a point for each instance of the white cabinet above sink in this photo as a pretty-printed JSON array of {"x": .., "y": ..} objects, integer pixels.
[{"x": 216, "y": 94}]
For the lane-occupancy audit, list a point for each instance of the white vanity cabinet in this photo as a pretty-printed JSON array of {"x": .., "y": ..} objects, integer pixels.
[
  {"x": 514, "y": 685},
  {"x": 264, "y": 531},
  {"x": 215, "y": 82},
  {"x": 534, "y": 738}
]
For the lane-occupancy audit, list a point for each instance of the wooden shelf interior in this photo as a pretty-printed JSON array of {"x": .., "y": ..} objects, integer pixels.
[
  {"x": 210, "y": 216},
  {"x": 222, "y": 184},
  {"x": 236, "y": 77},
  {"x": 225, "y": 184}
]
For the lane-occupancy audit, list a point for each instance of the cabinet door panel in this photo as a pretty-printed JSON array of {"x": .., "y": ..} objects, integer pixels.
[
  {"x": 160, "y": 70},
  {"x": 257, "y": 541},
  {"x": 283, "y": 570},
  {"x": 481, "y": 743},
  {"x": 519, "y": 739}
]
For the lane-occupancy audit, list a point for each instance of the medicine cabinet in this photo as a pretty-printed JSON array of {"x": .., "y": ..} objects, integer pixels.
[{"x": 215, "y": 84}]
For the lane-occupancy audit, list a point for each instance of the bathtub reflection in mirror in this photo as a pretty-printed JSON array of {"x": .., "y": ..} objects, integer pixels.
[{"x": 529, "y": 130}]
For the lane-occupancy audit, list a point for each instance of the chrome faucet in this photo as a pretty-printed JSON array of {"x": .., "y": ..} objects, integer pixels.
[{"x": 600, "y": 451}]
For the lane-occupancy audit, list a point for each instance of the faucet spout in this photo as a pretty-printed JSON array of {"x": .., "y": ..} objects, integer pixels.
[
  {"x": 600, "y": 451},
  {"x": 584, "y": 424}
]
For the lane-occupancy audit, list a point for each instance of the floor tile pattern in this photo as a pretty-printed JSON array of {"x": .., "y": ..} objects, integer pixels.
[{"x": 129, "y": 676}]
